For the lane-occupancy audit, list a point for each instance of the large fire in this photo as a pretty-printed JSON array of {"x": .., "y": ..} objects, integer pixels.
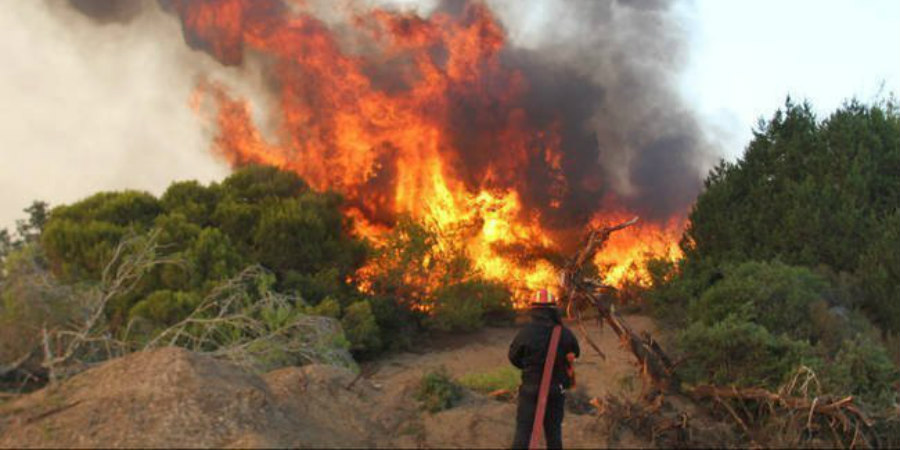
[{"x": 410, "y": 115}]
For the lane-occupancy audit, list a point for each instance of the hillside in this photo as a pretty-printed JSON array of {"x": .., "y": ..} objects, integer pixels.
[{"x": 172, "y": 397}]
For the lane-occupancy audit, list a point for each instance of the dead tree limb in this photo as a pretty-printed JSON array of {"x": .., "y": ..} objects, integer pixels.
[
  {"x": 579, "y": 291},
  {"x": 67, "y": 351}
]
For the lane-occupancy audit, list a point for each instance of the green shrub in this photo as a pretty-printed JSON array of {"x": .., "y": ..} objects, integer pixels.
[
  {"x": 468, "y": 305},
  {"x": 29, "y": 302},
  {"x": 673, "y": 285},
  {"x": 505, "y": 377},
  {"x": 165, "y": 307},
  {"x": 735, "y": 351},
  {"x": 880, "y": 275},
  {"x": 361, "y": 329},
  {"x": 774, "y": 295},
  {"x": 437, "y": 391},
  {"x": 328, "y": 307},
  {"x": 398, "y": 323},
  {"x": 863, "y": 368}
]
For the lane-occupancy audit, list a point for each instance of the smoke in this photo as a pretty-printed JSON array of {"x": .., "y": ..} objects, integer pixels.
[
  {"x": 610, "y": 68},
  {"x": 95, "y": 97},
  {"x": 607, "y": 72},
  {"x": 603, "y": 71},
  {"x": 108, "y": 11}
]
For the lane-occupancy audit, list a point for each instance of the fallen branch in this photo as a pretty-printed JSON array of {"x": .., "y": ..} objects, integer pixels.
[
  {"x": 801, "y": 413},
  {"x": 67, "y": 351},
  {"x": 255, "y": 329},
  {"x": 579, "y": 291},
  {"x": 51, "y": 412},
  {"x": 818, "y": 405}
]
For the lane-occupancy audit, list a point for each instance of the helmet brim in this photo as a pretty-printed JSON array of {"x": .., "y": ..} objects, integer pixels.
[{"x": 542, "y": 304}]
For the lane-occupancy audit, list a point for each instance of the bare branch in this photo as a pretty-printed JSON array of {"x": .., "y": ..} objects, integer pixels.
[
  {"x": 231, "y": 323},
  {"x": 89, "y": 339},
  {"x": 579, "y": 291}
]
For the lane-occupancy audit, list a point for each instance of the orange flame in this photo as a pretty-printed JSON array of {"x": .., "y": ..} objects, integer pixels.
[{"x": 371, "y": 119}]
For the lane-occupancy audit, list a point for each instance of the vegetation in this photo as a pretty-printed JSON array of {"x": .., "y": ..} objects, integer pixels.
[
  {"x": 425, "y": 276},
  {"x": 790, "y": 257},
  {"x": 437, "y": 391},
  {"x": 812, "y": 194},
  {"x": 297, "y": 243},
  {"x": 504, "y": 378}
]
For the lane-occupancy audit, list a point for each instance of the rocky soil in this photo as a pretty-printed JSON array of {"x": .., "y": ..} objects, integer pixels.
[{"x": 174, "y": 398}]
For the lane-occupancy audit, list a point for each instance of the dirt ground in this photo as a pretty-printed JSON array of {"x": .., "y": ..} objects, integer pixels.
[
  {"x": 174, "y": 398},
  {"x": 486, "y": 423}
]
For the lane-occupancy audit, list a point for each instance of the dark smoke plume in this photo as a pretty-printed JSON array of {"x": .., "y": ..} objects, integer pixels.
[
  {"x": 108, "y": 11},
  {"x": 609, "y": 68},
  {"x": 605, "y": 70}
]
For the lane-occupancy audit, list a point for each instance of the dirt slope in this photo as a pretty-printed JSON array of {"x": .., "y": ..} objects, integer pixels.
[
  {"x": 174, "y": 398},
  {"x": 486, "y": 423}
]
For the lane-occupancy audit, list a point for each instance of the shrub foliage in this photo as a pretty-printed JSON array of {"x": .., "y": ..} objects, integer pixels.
[
  {"x": 790, "y": 256},
  {"x": 210, "y": 234}
]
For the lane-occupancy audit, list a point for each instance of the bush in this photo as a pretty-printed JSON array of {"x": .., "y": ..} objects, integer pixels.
[
  {"x": 437, "y": 391},
  {"x": 258, "y": 215},
  {"x": 361, "y": 329},
  {"x": 863, "y": 368},
  {"x": 774, "y": 295},
  {"x": 467, "y": 306},
  {"x": 328, "y": 307},
  {"x": 29, "y": 301},
  {"x": 735, "y": 351},
  {"x": 751, "y": 324},
  {"x": 506, "y": 377},
  {"x": 397, "y": 322},
  {"x": 164, "y": 307},
  {"x": 812, "y": 192},
  {"x": 673, "y": 285},
  {"x": 880, "y": 275}
]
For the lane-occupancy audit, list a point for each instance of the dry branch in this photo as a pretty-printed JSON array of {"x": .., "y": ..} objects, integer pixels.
[
  {"x": 579, "y": 291},
  {"x": 67, "y": 351},
  {"x": 255, "y": 329},
  {"x": 801, "y": 414}
]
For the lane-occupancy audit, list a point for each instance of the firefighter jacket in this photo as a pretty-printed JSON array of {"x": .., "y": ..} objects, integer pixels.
[{"x": 529, "y": 348}]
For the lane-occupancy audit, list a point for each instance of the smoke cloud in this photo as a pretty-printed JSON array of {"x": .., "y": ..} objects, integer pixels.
[
  {"x": 107, "y": 95},
  {"x": 95, "y": 97},
  {"x": 611, "y": 68}
]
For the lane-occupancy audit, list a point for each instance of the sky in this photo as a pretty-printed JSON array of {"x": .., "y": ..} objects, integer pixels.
[
  {"x": 747, "y": 56},
  {"x": 76, "y": 118}
]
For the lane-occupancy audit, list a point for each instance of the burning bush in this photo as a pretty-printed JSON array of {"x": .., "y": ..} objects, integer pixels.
[
  {"x": 428, "y": 273},
  {"x": 209, "y": 234}
]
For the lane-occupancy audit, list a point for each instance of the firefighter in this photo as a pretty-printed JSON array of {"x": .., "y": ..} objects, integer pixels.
[{"x": 528, "y": 352}]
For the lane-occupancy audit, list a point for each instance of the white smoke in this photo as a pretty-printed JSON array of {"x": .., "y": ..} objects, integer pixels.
[{"x": 89, "y": 107}]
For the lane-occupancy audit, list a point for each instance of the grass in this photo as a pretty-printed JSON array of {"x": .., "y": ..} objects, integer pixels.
[
  {"x": 437, "y": 391},
  {"x": 486, "y": 382}
]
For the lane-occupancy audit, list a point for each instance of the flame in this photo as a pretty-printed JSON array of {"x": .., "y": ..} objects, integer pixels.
[{"x": 373, "y": 119}]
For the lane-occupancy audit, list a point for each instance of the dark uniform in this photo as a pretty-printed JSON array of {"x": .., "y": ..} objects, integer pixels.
[{"x": 528, "y": 352}]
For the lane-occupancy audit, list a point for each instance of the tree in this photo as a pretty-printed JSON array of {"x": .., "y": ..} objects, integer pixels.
[{"x": 810, "y": 193}]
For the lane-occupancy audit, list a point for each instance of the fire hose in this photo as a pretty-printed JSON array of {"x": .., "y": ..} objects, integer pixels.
[{"x": 538, "y": 426}]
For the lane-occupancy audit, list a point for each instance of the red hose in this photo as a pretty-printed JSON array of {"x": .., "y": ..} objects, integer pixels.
[{"x": 538, "y": 426}]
